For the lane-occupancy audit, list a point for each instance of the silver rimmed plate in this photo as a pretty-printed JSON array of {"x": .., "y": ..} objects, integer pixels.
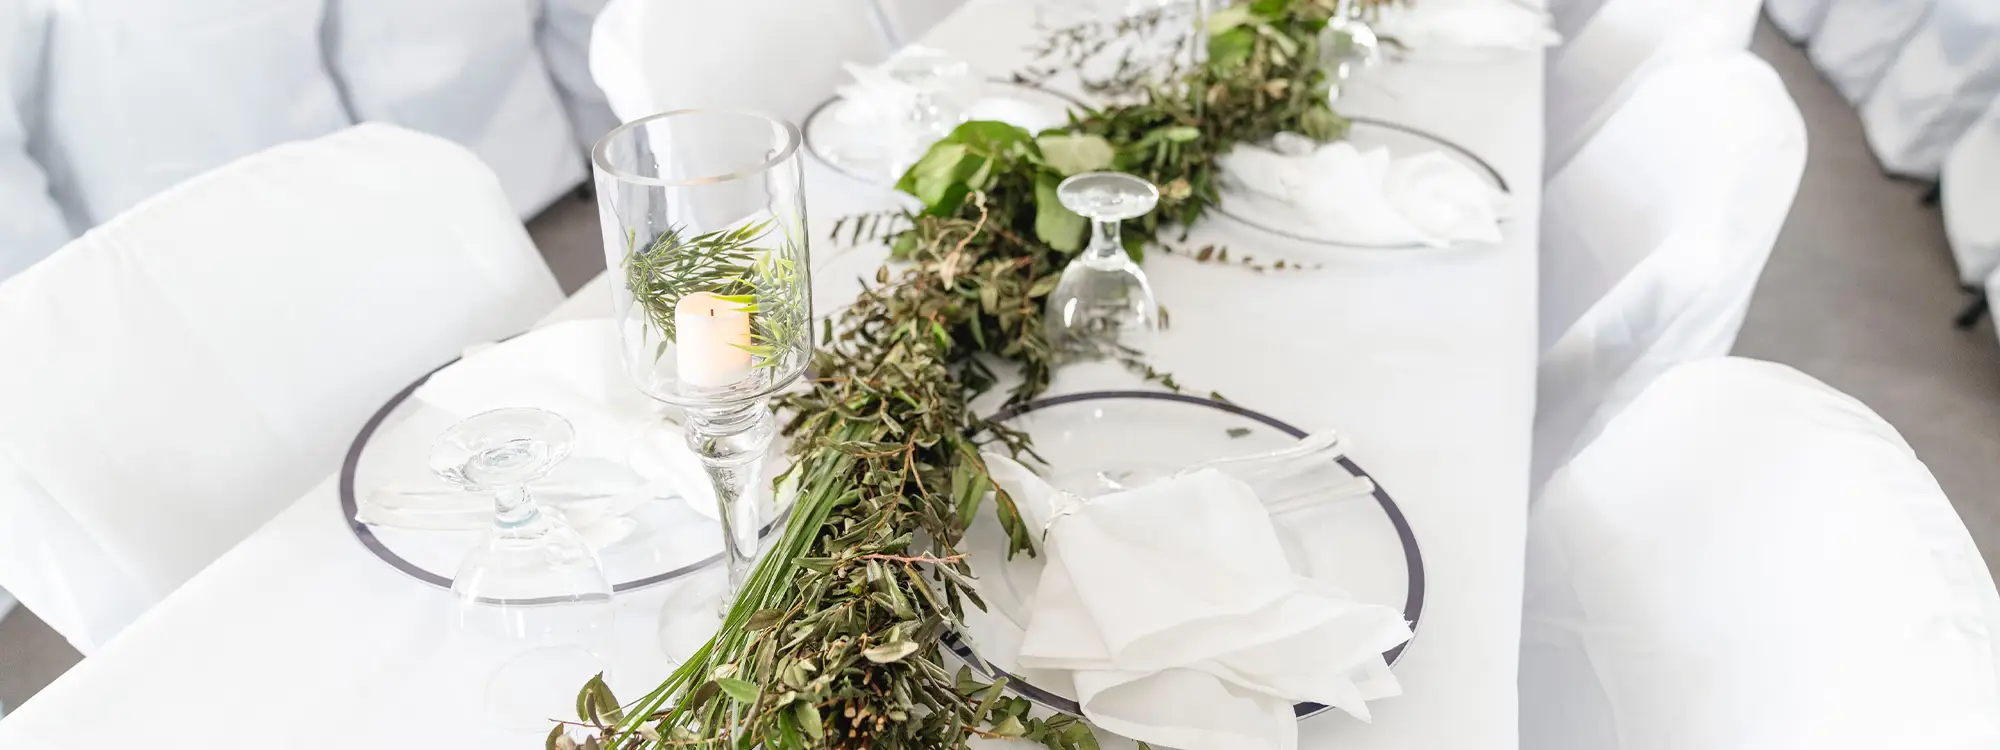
[
  {"x": 1097, "y": 441},
  {"x": 839, "y": 138},
  {"x": 1284, "y": 219}
]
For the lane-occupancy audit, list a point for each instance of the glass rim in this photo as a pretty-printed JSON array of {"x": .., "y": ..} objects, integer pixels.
[{"x": 601, "y": 161}]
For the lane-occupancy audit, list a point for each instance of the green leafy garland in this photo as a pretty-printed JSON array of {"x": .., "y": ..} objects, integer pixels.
[{"x": 834, "y": 641}]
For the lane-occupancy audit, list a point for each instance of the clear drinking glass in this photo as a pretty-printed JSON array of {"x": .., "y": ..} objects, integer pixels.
[
  {"x": 532, "y": 591},
  {"x": 1346, "y": 46},
  {"x": 704, "y": 220},
  {"x": 1102, "y": 306}
]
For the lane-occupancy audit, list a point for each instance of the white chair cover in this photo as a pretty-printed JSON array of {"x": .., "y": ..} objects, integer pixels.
[
  {"x": 1937, "y": 86},
  {"x": 772, "y": 56},
  {"x": 1625, "y": 41},
  {"x": 1653, "y": 238},
  {"x": 1569, "y": 17},
  {"x": 1858, "y": 39},
  {"x": 1969, "y": 194},
  {"x": 1798, "y": 20},
  {"x": 565, "y": 40},
  {"x": 467, "y": 70},
  {"x": 909, "y": 19},
  {"x": 204, "y": 359},
  {"x": 1748, "y": 558},
  {"x": 143, "y": 94},
  {"x": 31, "y": 226}
]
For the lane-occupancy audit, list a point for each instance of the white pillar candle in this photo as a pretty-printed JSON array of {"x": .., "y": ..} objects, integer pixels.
[{"x": 712, "y": 335}]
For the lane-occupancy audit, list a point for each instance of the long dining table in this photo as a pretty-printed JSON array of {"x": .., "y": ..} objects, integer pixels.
[{"x": 300, "y": 638}]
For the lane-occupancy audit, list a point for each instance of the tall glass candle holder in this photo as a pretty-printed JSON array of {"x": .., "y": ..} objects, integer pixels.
[{"x": 704, "y": 220}]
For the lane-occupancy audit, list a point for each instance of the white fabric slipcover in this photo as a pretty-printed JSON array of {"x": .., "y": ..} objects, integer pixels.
[
  {"x": 1859, "y": 38},
  {"x": 1798, "y": 20},
  {"x": 31, "y": 226},
  {"x": 209, "y": 354},
  {"x": 1623, "y": 43},
  {"x": 565, "y": 41},
  {"x": 1969, "y": 194},
  {"x": 1938, "y": 85},
  {"x": 1655, "y": 235},
  {"x": 1747, "y": 558},
  {"x": 773, "y": 56},
  {"x": 909, "y": 19},
  {"x": 467, "y": 70},
  {"x": 143, "y": 94}
]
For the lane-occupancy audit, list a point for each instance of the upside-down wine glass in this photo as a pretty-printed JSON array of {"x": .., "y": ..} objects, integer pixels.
[
  {"x": 704, "y": 221},
  {"x": 532, "y": 591},
  {"x": 1102, "y": 306},
  {"x": 1347, "y": 45}
]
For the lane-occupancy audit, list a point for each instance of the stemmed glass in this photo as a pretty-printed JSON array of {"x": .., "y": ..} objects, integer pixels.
[
  {"x": 704, "y": 224},
  {"x": 1102, "y": 305},
  {"x": 533, "y": 587},
  {"x": 1347, "y": 45}
]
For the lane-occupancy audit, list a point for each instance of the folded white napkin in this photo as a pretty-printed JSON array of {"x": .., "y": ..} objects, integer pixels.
[
  {"x": 625, "y": 452},
  {"x": 1454, "y": 29},
  {"x": 1175, "y": 612},
  {"x": 1371, "y": 196}
]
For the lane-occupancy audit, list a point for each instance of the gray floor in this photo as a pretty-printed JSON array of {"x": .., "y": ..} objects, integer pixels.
[{"x": 1859, "y": 292}]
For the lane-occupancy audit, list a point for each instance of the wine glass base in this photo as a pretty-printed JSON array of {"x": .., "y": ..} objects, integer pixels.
[
  {"x": 693, "y": 613},
  {"x": 536, "y": 687}
]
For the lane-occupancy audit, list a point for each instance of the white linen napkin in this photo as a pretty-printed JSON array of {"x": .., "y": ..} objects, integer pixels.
[
  {"x": 625, "y": 452},
  {"x": 1469, "y": 27},
  {"x": 1371, "y": 196},
  {"x": 1174, "y": 611}
]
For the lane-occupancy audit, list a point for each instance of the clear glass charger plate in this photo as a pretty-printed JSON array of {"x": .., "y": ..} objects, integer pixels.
[
  {"x": 1291, "y": 222},
  {"x": 855, "y": 148},
  {"x": 662, "y": 537},
  {"x": 1361, "y": 544}
]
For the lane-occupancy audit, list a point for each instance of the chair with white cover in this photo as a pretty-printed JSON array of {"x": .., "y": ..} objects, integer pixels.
[
  {"x": 1938, "y": 85},
  {"x": 1969, "y": 195},
  {"x": 467, "y": 70},
  {"x": 31, "y": 225},
  {"x": 1624, "y": 42},
  {"x": 1568, "y": 17},
  {"x": 1859, "y": 38},
  {"x": 1798, "y": 20},
  {"x": 143, "y": 94},
  {"x": 1654, "y": 236},
  {"x": 774, "y": 56},
  {"x": 565, "y": 40},
  {"x": 1748, "y": 558},
  {"x": 908, "y": 19},
  {"x": 203, "y": 360}
]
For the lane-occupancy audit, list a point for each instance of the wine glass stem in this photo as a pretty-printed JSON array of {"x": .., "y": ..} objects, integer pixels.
[
  {"x": 731, "y": 440},
  {"x": 511, "y": 508},
  {"x": 1106, "y": 249}
]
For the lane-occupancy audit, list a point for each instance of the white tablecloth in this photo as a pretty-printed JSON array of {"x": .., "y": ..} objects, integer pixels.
[{"x": 300, "y": 638}]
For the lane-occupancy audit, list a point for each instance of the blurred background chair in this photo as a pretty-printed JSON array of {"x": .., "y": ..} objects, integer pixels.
[
  {"x": 1859, "y": 38},
  {"x": 653, "y": 56},
  {"x": 423, "y": 66},
  {"x": 1798, "y": 20},
  {"x": 1748, "y": 558},
  {"x": 1969, "y": 196},
  {"x": 144, "y": 94},
  {"x": 1654, "y": 237},
  {"x": 201, "y": 359},
  {"x": 1937, "y": 85},
  {"x": 31, "y": 224}
]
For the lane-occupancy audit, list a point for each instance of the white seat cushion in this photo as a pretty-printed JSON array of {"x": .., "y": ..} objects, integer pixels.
[
  {"x": 1969, "y": 195},
  {"x": 1747, "y": 559}
]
